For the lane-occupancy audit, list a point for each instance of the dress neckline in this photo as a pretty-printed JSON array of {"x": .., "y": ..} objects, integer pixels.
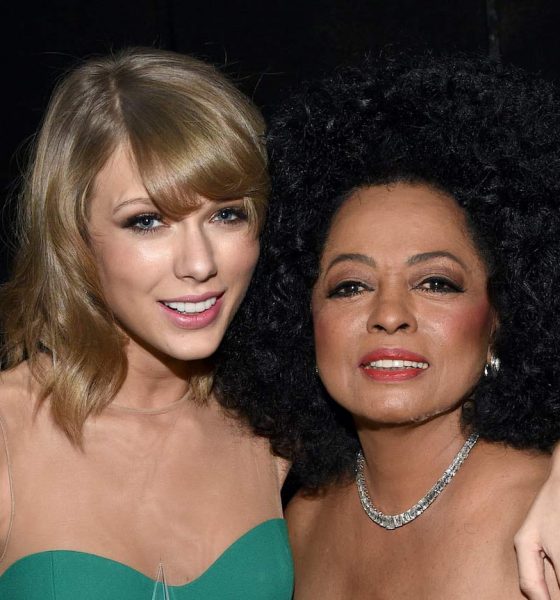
[{"x": 109, "y": 561}]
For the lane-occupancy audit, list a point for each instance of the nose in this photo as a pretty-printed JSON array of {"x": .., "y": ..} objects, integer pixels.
[
  {"x": 194, "y": 254},
  {"x": 392, "y": 310}
]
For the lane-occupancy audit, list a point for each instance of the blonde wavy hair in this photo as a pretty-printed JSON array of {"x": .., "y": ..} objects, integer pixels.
[{"x": 190, "y": 131}]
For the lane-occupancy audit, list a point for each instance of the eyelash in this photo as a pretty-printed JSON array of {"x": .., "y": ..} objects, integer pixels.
[
  {"x": 342, "y": 290},
  {"x": 134, "y": 222},
  {"x": 445, "y": 285},
  {"x": 348, "y": 289},
  {"x": 239, "y": 214}
]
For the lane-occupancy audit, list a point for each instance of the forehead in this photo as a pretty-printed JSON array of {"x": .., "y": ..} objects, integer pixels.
[
  {"x": 118, "y": 178},
  {"x": 401, "y": 218}
]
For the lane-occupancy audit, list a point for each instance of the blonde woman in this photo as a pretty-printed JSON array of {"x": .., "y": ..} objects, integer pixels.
[{"x": 122, "y": 475}]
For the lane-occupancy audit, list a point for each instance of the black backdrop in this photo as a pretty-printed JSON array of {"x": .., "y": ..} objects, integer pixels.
[{"x": 267, "y": 45}]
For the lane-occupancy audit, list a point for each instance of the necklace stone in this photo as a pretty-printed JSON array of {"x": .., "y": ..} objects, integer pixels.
[{"x": 395, "y": 521}]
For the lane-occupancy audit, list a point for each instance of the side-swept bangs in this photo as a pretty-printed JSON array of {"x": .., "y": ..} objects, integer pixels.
[{"x": 209, "y": 144}]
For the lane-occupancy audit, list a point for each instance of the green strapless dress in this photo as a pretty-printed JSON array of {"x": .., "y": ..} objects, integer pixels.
[{"x": 258, "y": 566}]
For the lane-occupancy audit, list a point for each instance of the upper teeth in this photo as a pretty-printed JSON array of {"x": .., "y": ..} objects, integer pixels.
[
  {"x": 387, "y": 363},
  {"x": 192, "y": 307}
]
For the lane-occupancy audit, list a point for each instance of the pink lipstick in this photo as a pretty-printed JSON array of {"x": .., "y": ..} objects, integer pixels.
[{"x": 193, "y": 311}]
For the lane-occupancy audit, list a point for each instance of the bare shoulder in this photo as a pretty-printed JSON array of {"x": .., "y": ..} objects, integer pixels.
[
  {"x": 502, "y": 483},
  {"x": 300, "y": 514},
  {"x": 517, "y": 472},
  {"x": 301, "y": 510},
  {"x": 18, "y": 395},
  {"x": 15, "y": 409},
  {"x": 321, "y": 540},
  {"x": 308, "y": 510},
  {"x": 17, "y": 378},
  {"x": 18, "y": 390},
  {"x": 507, "y": 481}
]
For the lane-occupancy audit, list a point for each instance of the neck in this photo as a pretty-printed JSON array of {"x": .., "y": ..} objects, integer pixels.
[
  {"x": 155, "y": 381},
  {"x": 403, "y": 462}
]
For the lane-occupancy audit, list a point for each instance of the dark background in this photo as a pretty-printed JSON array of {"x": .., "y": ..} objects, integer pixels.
[{"x": 266, "y": 45}]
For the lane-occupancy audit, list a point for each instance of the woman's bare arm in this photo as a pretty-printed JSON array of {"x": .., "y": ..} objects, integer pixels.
[{"x": 538, "y": 541}]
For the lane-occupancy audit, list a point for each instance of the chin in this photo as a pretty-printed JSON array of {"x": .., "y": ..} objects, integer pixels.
[
  {"x": 393, "y": 409},
  {"x": 193, "y": 352},
  {"x": 184, "y": 349},
  {"x": 396, "y": 417}
]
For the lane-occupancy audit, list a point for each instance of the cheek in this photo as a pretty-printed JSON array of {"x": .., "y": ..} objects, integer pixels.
[
  {"x": 236, "y": 264},
  {"x": 462, "y": 339},
  {"x": 470, "y": 326},
  {"x": 334, "y": 335},
  {"x": 236, "y": 260},
  {"x": 125, "y": 263}
]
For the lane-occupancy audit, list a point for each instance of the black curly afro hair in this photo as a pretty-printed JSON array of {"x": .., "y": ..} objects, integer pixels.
[{"x": 486, "y": 134}]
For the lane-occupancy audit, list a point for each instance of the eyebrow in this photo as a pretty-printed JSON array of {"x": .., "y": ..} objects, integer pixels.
[
  {"x": 425, "y": 256},
  {"x": 140, "y": 200},
  {"x": 353, "y": 256},
  {"x": 147, "y": 200},
  {"x": 413, "y": 260}
]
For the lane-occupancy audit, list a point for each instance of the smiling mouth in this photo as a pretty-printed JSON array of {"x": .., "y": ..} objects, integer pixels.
[
  {"x": 191, "y": 308},
  {"x": 387, "y": 364}
]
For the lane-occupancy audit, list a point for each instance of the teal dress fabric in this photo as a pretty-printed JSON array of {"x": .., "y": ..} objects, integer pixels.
[{"x": 258, "y": 566}]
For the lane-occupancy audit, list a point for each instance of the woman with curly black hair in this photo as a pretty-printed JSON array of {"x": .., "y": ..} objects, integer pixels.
[{"x": 415, "y": 210}]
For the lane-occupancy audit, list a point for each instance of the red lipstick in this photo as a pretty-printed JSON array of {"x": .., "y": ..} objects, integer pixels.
[{"x": 393, "y": 365}]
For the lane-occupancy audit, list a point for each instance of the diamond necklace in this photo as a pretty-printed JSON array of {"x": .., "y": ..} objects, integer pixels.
[{"x": 394, "y": 521}]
